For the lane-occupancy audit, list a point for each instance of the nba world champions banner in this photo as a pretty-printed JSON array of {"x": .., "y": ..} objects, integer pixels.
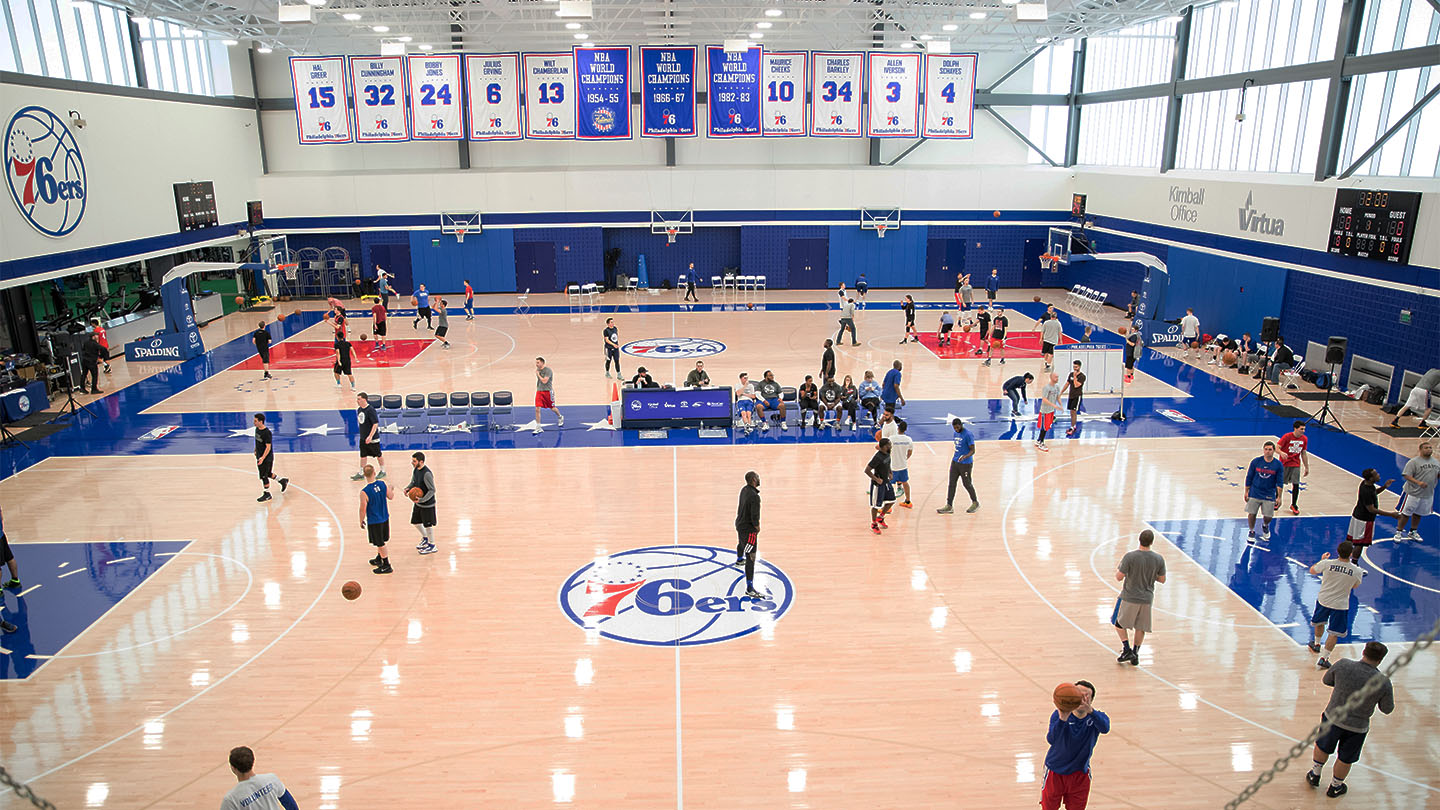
[
  {"x": 602, "y": 93},
  {"x": 667, "y": 97},
  {"x": 950, "y": 95},
  {"x": 377, "y": 83},
  {"x": 734, "y": 92},
  {"x": 549, "y": 95},
  {"x": 494, "y": 91},
  {"x": 322, "y": 113},
  {"x": 894, "y": 110}
]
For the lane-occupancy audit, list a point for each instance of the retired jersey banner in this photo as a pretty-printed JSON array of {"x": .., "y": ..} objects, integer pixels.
[
  {"x": 733, "y": 92},
  {"x": 667, "y": 96},
  {"x": 493, "y": 82},
  {"x": 377, "y": 84},
  {"x": 549, "y": 95},
  {"x": 782, "y": 85},
  {"x": 435, "y": 97},
  {"x": 950, "y": 95},
  {"x": 894, "y": 110},
  {"x": 322, "y": 113},
  {"x": 837, "y": 83},
  {"x": 602, "y": 93}
]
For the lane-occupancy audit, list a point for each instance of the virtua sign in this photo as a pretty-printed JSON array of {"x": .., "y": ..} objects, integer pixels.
[{"x": 1254, "y": 221}]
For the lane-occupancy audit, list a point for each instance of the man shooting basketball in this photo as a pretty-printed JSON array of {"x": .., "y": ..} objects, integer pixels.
[{"x": 1072, "y": 737}]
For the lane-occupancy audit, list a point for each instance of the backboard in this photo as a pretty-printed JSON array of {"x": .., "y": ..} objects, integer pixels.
[
  {"x": 460, "y": 223},
  {"x": 879, "y": 220},
  {"x": 1058, "y": 245},
  {"x": 677, "y": 221}
]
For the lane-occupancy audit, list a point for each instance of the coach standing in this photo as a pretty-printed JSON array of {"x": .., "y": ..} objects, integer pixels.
[
  {"x": 612, "y": 347},
  {"x": 1349, "y": 729},
  {"x": 1139, "y": 569},
  {"x": 747, "y": 524},
  {"x": 961, "y": 466},
  {"x": 1420, "y": 474}
]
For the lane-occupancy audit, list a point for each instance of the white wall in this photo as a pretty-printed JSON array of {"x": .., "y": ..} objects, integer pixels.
[
  {"x": 134, "y": 150},
  {"x": 1304, "y": 205}
]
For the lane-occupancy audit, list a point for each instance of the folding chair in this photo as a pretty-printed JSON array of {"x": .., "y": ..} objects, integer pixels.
[
  {"x": 759, "y": 282},
  {"x": 437, "y": 411},
  {"x": 572, "y": 294},
  {"x": 789, "y": 399},
  {"x": 680, "y": 285},
  {"x": 390, "y": 408},
  {"x": 480, "y": 409},
  {"x": 717, "y": 285},
  {"x": 502, "y": 403},
  {"x": 459, "y": 412},
  {"x": 412, "y": 418},
  {"x": 590, "y": 293},
  {"x": 523, "y": 305},
  {"x": 743, "y": 283}
]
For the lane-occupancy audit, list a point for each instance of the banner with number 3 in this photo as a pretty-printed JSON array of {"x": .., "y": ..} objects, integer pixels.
[
  {"x": 322, "y": 113},
  {"x": 435, "y": 97},
  {"x": 950, "y": 95},
  {"x": 894, "y": 110}
]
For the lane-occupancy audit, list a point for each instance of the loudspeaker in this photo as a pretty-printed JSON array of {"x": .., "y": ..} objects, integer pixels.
[
  {"x": 1335, "y": 351},
  {"x": 1269, "y": 330}
]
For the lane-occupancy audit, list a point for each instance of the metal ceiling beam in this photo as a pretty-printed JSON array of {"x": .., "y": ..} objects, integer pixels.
[
  {"x": 1022, "y": 63},
  {"x": 1337, "y": 97},
  {"x": 1390, "y": 133},
  {"x": 1077, "y": 87},
  {"x": 1173, "y": 104}
]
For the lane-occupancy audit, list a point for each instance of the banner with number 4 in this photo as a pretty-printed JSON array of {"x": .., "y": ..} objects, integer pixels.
[
  {"x": 493, "y": 81},
  {"x": 435, "y": 96},
  {"x": 950, "y": 95},
  {"x": 322, "y": 112}
]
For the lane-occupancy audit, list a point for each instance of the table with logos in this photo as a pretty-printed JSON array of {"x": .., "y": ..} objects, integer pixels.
[
  {"x": 655, "y": 408},
  {"x": 18, "y": 403}
]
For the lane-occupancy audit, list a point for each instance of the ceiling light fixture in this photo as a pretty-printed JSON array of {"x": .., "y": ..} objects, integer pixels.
[
  {"x": 265, "y": 49},
  {"x": 141, "y": 19},
  {"x": 907, "y": 45},
  {"x": 978, "y": 15},
  {"x": 350, "y": 16},
  {"x": 773, "y": 12},
  {"x": 949, "y": 27},
  {"x": 426, "y": 47},
  {"x": 763, "y": 24},
  {"x": 317, "y": 2},
  {"x": 756, "y": 35},
  {"x": 925, "y": 37},
  {"x": 229, "y": 43},
  {"x": 380, "y": 29},
  {"x": 403, "y": 39},
  {"x": 573, "y": 26},
  {"x": 1173, "y": 18},
  {"x": 582, "y": 36}
]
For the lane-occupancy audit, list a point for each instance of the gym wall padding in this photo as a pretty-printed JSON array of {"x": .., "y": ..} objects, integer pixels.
[
  {"x": 898, "y": 260},
  {"x": 1229, "y": 296},
  {"x": 486, "y": 258},
  {"x": 711, "y": 249}
]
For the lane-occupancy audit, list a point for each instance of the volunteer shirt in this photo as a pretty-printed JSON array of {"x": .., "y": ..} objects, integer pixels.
[
  {"x": 1337, "y": 578},
  {"x": 263, "y": 438},
  {"x": 376, "y": 508},
  {"x": 367, "y": 419},
  {"x": 1263, "y": 479},
  {"x": 891, "y": 389},
  {"x": 1072, "y": 741},
  {"x": 1190, "y": 326},
  {"x": 900, "y": 447},
  {"x": 1050, "y": 331},
  {"x": 263, "y": 791},
  {"x": 1424, "y": 470},
  {"x": 544, "y": 379},
  {"x": 964, "y": 446},
  {"x": 1140, "y": 566},
  {"x": 1369, "y": 496},
  {"x": 1291, "y": 446}
]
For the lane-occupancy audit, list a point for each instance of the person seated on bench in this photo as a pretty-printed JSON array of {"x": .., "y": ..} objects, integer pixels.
[{"x": 1220, "y": 345}]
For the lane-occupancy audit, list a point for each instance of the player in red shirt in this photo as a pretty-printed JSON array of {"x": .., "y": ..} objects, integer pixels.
[
  {"x": 103, "y": 340},
  {"x": 469, "y": 301},
  {"x": 378, "y": 313},
  {"x": 1293, "y": 455}
]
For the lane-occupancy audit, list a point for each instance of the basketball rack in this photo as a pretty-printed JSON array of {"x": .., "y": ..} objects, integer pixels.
[
  {"x": 460, "y": 223},
  {"x": 672, "y": 223},
  {"x": 879, "y": 220}
]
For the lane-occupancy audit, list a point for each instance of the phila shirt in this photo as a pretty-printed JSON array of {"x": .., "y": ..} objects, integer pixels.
[{"x": 1337, "y": 578}]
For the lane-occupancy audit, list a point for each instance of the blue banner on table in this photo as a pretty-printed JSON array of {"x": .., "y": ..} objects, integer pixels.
[
  {"x": 662, "y": 408},
  {"x": 733, "y": 92},
  {"x": 667, "y": 97},
  {"x": 602, "y": 93}
]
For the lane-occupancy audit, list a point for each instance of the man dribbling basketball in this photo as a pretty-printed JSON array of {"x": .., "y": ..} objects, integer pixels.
[{"x": 1072, "y": 737}]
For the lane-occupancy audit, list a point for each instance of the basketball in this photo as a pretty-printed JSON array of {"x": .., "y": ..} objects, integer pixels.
[
  {"x": 1067, "y": 695},
  {"x": 414, "y": 302},
  {"x": 1228, "y": 358},
  {"x": 239, "y": 300},
  {"x": 1036, "y": 299},
  {"x": 965, "y": 327},
  {"x": 1123, "y": 331},
  {"x": 351, "y": 591},
  {"x": 750, "y": 306},
  {"x": 997, "y": 213},
  {"x": 414, "y": 493},
  {"x": 362, "y": 335}
]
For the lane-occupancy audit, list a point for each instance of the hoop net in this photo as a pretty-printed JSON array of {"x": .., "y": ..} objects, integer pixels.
[
  {"x": 880, "y": 229},
  {"x": 1046, "y": 261},
  {"x": 670, "y": 235},
  {"x": 287, "y": 270},
  {"x": 460, "y": 235}
]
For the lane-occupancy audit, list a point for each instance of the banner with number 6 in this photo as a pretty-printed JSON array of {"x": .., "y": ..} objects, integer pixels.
[
  {"x": 435, "y": 97},
  {"x": 950, "y": 95},
  {"x": 549, "y": 95},
  {"x": 782, "y": 94},
  {"x": 493, "y": 82},
  {"x": 322, "y": 110},
  {"x": 377, "y": 84},
  {"x": 894, "y": 110}
]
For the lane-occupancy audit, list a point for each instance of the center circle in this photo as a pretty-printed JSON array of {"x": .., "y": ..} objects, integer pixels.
[{"x": 673, "y": 348}]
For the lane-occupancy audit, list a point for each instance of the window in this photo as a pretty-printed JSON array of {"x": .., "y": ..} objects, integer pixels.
[
  {"x": 66, "y": 39},
  {"x": 1377, "y": 102},
  {"x": 1131, "y": 57},
  {"x": 1392, "y": 25},
  {"x": 1122, "y": 133},
  {"x": 179, "y": 59},
  {"x": 1280, "y": 133},
  {"x": 1048, "y": 123}
]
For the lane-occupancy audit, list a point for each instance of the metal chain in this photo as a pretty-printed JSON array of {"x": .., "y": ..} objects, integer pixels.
[
  {"x": 23, "y": 790},
  {"x": 1360, "y": 695}
]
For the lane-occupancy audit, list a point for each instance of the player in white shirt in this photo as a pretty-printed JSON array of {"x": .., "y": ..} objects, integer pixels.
[
  {"x": 255, "y": 792},
  {"x": 745, "y": 402},
  {"x": 901, "y": 446},
  {"x": 1190, "y": 332},
  {"x": 1338, "y": 577}
]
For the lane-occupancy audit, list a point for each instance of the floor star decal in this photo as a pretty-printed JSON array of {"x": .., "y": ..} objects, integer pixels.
[{"x": 322, "y": 430}]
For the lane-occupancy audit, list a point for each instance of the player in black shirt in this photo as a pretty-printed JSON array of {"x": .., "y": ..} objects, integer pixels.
[
  {"x": 369, "y": 423},
  {"x": 747, "y": 525},
  {"x": 612, "y": 347},
  {"x": 1132, "y": 351},
  {"x": 265, "y": 458},
  {"x": 882, "y": 492},
  {"x": 1075, "y": 384},
  {"x": 261, "y": 337},
  {"x": 983, "y": 317},
  {"x": 830, "y": 395},
  {"x": 342, "y": 360},
  {"x": 1367, "y": 506},
  {"x": 809, "y": 396},
  {"x": 908, "y": 305}
]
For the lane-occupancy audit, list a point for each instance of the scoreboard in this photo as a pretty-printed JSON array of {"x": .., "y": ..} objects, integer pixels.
[
  {"x": 1374, "y": 224},
  {"x": 195, "y": 205}
]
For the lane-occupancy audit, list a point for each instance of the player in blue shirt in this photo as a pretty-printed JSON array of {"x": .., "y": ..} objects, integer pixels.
[
  {"x": 862, "y": 286},
  {"x": 375, "y": 518},
  {"x": 890, "y": 389},
  {"x": 1072, "y": 737},
  {"x": 992, "y": 284},
  {"x": 961, "y": 466},
  {"x": 1262, "y": 488},
  {"x": 422, "y": 307}
]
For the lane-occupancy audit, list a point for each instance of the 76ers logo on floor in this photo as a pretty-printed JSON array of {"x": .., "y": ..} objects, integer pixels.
[
  {"x": 673, "y": 596},
  {"x": 45, "y": 172},
  {"x": 673, "y": 348}
]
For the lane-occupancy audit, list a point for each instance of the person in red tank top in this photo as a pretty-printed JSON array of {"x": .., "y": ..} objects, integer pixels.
[
  {"x": 104, "y": 341},
  {"x": 378, "y": 313},
  {"x": 1293, "y": 455},
  {"x": 469, "y": 301}
]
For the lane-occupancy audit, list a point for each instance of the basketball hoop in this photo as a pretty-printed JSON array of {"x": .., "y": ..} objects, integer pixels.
[
  {"x": 880, "y": 229},
  {"x": 670, "y": 235},
  {"x": 460, "y": 235},
  {"x": 287, "y": 270}
]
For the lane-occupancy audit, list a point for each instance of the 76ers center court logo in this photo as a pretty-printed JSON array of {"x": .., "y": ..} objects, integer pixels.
[
  {"x": 673, "y": 348},
  {"x": 673, "y": 596},
  {"x": 45, "y": 172}
]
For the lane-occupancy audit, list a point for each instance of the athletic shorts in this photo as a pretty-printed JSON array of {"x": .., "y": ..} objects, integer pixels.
[
  {"x": 1074, "y": 403},
  {"x": 946, "y": 327},
  {"x": 1336, "y": 621},
  {"x": 423, "y": 312},
  {"x": 266, "y": 468},
  {"x": 264, "y": 355},
  {"x": 1047, "y": 348},
  {"x": 773, "y": 403},
  {"x": 379, "y": 533},
  {"x": 1131, "y": 616},
  {"x": 6, "y": 555},
  {"x": 422, "y": 515},
  {"x": 1070, "y": 789},
  {"x": 900, "y": 476},
  {"x": 990, "y": 294},
  {"x": 1416, "y": 506},
  {"x": 1045, "y": 421},
  {"x": 745, "y": 405},
  {"x": 1361, "y": 532},
  {"x": 379, "y": 329},
  {"x": 1265, "y": 506},
  {"x": 1292, "y": 475},
  {"x": 881, "y": 494},
  {"x": 440, "y": 331},
  {"x": 1415, "y": 403},
  {"x": 342, "y": 368},
  {"x": 545, "y": 399},
  {"x": 1349, "y": 742},
  {"x": 749, "y": 542},
  {"x": 997, "y": 340},
  {"x": 370, "y": 450},
  {"x": 809, "y": 404}
]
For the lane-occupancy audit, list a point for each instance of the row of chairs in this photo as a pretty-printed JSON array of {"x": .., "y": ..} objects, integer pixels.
[
  {"x": 583, "y": 293},
  {"x": 733, "y": 283},
  {"x": 428, "y": 413},
  {"x": 1085, "y": 298}
]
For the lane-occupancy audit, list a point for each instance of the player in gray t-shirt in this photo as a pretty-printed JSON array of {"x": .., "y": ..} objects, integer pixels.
[
  {"x": 1349, "y": 729},
  {"x": 1139, "y": 570},
  {"x": 545, "y": 394},
  {"x": 442, "y": 324},
  {"x": 1049, "y": 403},
  {"x": 1418, "y": 501}
]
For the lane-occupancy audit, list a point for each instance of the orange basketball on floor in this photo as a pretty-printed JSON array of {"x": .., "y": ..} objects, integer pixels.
[
  {"x": 362, "y": 335},
  {"x": 239, "y": 300},
  {"x": 280, "y": 318},
  {"x": 1067, "y": 697},
  {"x": 350, "y": 590},
  {"x": 1036, "y": 299},
  {"x": 414, "y": 493},
  {"x": 1123, "y": 331},
  {"x": 1228, "y": 357},
  {"x": 965, "y": 327}
]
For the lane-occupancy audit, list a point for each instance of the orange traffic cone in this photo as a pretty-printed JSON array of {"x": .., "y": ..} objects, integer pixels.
[{"x": 614, "y": 400}]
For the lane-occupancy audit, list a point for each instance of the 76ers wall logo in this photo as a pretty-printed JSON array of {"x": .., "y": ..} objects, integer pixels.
[
  {"x": 45, "y": 171},
  {"x": 673, "y": 596}
]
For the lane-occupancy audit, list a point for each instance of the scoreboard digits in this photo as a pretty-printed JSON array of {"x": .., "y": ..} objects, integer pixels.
[{"x": 1374, "y": 224}]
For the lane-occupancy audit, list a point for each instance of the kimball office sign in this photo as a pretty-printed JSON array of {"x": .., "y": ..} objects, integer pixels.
[{"x": 1185, "y": 204}]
